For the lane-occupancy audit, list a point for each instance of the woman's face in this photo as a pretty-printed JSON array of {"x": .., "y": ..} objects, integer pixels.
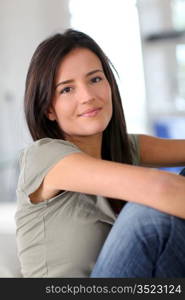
[{"x": 82, "y": 103}]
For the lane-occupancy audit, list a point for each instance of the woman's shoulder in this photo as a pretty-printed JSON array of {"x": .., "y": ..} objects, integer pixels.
[
  {"x": 135, "y": 149},
  {"x": 38, "y": 157},
  {"x": 46, "y": 150},
  {"x": 48, "y": 143}
]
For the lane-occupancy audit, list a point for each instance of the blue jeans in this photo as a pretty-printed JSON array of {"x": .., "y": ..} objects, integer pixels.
[{"x": 143, "y": 243}]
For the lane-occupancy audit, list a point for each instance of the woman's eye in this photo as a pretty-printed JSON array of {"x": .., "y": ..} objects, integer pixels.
[
  {"x": 66, "y": 90},
  {"x": 96, "y": 79}
]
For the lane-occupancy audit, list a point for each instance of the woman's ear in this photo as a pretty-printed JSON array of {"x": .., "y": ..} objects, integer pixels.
[{"x": 50, "y": 113}]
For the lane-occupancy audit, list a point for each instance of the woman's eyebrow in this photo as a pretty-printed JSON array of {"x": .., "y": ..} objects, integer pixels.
[
  {"x": 64, "y": 82},
  {"x": 94, "y": 71},
  {"x": 72, "y": 80}
]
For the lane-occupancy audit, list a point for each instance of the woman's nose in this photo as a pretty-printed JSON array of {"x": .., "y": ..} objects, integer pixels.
[{"x": 85, "y": 94}]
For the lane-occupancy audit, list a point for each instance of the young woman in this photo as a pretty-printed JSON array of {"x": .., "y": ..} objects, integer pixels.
[{"x": 88, "y": 205}]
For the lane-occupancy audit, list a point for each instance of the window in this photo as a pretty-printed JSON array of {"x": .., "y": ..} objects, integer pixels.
[
  {"x": 178, "y": 14},
  {"x": 114, "y": 25}
]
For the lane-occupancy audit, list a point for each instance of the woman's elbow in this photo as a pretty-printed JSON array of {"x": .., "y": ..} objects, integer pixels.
[{"x": 171, "y": 192}]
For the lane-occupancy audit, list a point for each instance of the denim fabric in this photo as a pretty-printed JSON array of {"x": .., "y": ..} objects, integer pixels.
[
  {"x": 182, "y": 172},
  {"x": 143, "y": 243}
]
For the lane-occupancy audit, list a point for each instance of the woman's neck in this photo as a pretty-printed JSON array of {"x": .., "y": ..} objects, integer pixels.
[{"x": 88, "y": 144}]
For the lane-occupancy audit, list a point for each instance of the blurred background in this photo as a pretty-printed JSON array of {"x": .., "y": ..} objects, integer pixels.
[{"x": 145, "y": 41}]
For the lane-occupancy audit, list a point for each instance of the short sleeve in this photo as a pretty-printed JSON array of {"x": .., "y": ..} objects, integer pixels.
[
  {"x": 135, "y": 148},
  {"x": 38, "y": 158}
]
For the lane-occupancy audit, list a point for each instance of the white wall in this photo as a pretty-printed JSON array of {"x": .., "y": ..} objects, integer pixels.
[{"x": 23, "y": 25}]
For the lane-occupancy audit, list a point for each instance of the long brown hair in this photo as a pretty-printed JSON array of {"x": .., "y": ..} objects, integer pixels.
[{"x": 39, "y": 92}]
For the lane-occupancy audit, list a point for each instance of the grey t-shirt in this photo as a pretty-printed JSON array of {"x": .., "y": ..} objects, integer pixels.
[{"x": 60, "y": 237}]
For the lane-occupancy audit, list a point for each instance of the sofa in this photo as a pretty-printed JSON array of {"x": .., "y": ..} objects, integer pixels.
[{"x": 9, "y": 263}]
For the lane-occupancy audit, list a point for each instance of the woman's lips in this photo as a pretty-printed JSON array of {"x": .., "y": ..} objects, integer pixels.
[{"x": 91, "y": 113}]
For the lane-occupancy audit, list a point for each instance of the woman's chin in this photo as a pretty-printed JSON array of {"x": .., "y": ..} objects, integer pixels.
[{"x": 94, "y": 131}]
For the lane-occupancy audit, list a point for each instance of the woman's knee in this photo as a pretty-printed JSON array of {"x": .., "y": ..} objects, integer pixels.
[
  {"x": 149, "y": 222},
  {"x": 141, "y": 214},
  {"x": 143, "y": 222}
]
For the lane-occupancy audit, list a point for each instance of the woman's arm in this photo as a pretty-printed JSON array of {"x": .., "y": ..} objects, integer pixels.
[
  {"x": 158, "y": 152},
  {"x": 84, "y": 174}
]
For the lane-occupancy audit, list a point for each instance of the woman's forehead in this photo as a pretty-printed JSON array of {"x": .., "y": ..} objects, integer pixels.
[{"x": 78, "y": 60}]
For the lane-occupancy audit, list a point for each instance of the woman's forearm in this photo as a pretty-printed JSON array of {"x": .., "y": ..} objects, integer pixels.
[
  {"x": 155, "y": 188},
  {"x": 158, "y": 152},
  {"x": 82, "y": 173},
  {"x": 170, "y": 193}
]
